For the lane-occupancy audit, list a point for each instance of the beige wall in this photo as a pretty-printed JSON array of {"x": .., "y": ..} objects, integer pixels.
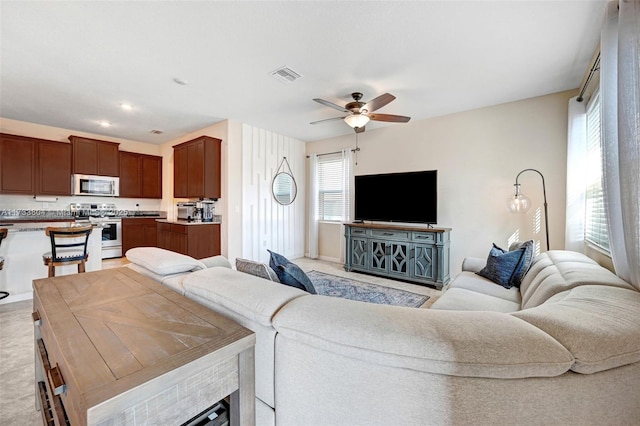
[{"x": 477, "y": 154}]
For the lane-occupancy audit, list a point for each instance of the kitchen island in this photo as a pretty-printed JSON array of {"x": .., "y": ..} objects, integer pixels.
[{"x": 23, "y": 248}]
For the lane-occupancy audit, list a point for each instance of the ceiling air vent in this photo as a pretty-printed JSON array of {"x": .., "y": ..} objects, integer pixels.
[{"x": 285, "y": 75}]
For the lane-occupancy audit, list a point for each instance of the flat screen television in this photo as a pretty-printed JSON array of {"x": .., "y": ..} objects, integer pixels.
[{"x": 410, "y": 197}]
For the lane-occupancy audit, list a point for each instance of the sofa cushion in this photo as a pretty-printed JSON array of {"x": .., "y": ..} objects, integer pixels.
[
  {"x": 252, "y": 297},
  {"x": 490, "y": 344},
  {"x": 258, "y": 269},
  {"x": 461, "y": 299},
  {"x": 289, "y": 273},
  {"x": 473, "y": 282},
  {"x": 163, "y": 262},
  {"x": 216, "y": 261},
  {"x": 599, "y": 325},
  {"x": 556, "y": 271},
  {"x": 502, "y": 266}
]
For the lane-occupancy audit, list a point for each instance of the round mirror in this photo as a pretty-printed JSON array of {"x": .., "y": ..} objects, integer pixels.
[{"x": 284, "y": 188}]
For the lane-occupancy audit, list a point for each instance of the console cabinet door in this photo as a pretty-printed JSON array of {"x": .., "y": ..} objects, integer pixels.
[
  {"x": 398, "y": 260},
  {"x": 17, "y": 164},
  {"x": 424, "y": 259}
]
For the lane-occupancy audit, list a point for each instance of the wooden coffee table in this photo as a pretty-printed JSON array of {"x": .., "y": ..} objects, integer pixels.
[{"x": 115, "y": 347}]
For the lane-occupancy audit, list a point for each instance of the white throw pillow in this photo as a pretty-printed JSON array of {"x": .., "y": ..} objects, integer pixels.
[{"x": 163, "y": 262}]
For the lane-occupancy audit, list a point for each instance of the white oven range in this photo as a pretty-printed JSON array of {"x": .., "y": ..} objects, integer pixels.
[{"x": 106, "y": 217}]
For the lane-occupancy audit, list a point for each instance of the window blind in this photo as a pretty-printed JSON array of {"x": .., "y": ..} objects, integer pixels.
[
  {"x": 596, "y": 229},
  {"x": 332, "y": 204}
]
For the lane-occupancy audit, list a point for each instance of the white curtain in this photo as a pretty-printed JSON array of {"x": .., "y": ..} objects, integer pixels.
[
  {"x": 620, "y": 94},
  {"x": 576, "y": 175},
  {"x": 313, "y": 206},
  {"x": 347, "y": 178}
]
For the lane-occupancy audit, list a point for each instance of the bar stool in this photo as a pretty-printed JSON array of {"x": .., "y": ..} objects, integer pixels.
[
  {"x": 3, "y": 235},
  {"x": 64, "y": 252}
]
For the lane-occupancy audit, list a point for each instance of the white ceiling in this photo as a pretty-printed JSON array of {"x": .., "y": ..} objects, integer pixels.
[{"x": 71, "y": 64}]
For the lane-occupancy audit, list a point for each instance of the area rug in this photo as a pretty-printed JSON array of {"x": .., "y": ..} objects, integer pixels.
[{"x": 335, "y": 286}]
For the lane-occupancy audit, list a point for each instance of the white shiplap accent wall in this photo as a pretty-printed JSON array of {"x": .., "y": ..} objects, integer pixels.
[{"x": 267, "y": 224}]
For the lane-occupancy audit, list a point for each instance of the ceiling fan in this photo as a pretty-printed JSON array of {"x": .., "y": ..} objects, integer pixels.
[{"x": 359, "y": 113}]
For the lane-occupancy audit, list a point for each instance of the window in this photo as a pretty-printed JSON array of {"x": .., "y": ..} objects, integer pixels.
[
  {"x": 596, "y": 229},
  {"x": 333, "y": 184}
]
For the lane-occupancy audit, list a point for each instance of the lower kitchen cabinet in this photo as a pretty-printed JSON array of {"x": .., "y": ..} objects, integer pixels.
[
  {"x": 198, "y": 240},
  {"x": 139, "y": 232}
]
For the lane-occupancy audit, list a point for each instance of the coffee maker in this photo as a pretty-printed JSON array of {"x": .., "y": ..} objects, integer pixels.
[{"x": 207, "y": 208}]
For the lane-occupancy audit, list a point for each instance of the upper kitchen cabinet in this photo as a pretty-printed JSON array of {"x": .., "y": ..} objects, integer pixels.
[
  {"x": 94, "y": 157},
  {"x": 140, "y": 175},
  {"x": 34, "y": 166},
  {"x": 18, "y": 164},
  {"x": 196, "y": 168},
  {"x": 54, "y": 168}
]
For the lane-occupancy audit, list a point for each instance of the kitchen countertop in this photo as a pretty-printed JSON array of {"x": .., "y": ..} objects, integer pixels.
[
  {"x": 189, "y": 222},
  {"x": 12, "y": 217}
]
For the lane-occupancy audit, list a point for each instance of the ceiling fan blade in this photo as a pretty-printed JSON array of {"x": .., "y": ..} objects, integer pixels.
[
  {"x": 389, "y": 117},
  {"x": 378, "y": 102},
  {"x": 331, "y": 105},
  {"x": 327, "y": 119},
  {"x": 359, "y": 129}
]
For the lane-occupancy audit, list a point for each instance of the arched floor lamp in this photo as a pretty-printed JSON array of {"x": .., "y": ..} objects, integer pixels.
[{"x": 520, "y": 203}]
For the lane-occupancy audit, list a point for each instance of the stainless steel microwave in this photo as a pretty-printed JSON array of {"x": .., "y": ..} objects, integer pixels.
[{"x": 105, "y": 186}]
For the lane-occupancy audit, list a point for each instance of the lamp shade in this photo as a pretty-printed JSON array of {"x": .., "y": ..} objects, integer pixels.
[
  {"x": 518, "y": 203},
  {"x": 356, "y": 120}
]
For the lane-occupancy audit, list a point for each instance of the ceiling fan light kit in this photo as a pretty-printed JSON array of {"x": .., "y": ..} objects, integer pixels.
[
  {"x": 360, "y": 112},
  {"x": 356, "y": 120}
]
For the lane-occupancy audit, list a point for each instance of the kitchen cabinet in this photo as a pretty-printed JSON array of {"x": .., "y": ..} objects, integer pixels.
[
  {"x": 140, "y": 175},
  {"x": 34, "y": 166},
  {"x": 196, "y": 168},
  {"x": 94, "y": 157},
  {"x": 17, "y": 164},
  {"x": 198, "y": 240},
  {"x": 139, "y": 232},
  {"x": 54, "y": 168}
]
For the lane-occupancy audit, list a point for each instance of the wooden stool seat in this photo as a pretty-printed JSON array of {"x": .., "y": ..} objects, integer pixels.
[{"x": 64, "y": 252}]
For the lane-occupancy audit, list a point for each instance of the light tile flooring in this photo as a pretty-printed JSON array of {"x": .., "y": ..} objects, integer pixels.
[{"x": 17, "y": 402}]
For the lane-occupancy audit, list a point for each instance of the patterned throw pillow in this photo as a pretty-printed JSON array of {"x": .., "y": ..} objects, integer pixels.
[
  {"x": 289, "y": 273},
  {"x": 256, "y": 268},
  {"x": 502, "y": 267},
  {"x": 525, "y": 262}
]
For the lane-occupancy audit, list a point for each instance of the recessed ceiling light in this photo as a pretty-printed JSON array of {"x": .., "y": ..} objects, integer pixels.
[
  {"x": 180, "y": 81},
  {"x": 126, "y": 107},
  {"x": 104, "y": 123},
  {"x": 156, "y": 132}
]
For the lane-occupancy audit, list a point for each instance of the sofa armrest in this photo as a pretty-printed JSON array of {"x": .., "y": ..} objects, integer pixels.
[{"x": 473, "y": 264}]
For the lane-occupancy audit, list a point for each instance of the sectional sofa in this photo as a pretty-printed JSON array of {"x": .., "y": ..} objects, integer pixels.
[{"x": 564, "y": 349}]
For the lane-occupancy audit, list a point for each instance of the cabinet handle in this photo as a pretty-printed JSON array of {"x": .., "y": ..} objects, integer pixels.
[
  {"x": 36, "y": 318},
  {"x": 387, "y": 233},
  {"x": 56, "y": 382}
]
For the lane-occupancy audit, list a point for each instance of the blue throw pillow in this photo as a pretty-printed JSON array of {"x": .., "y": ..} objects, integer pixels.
[
  {"x": 501, "y": 267},
  {"x": 525, "y": 262},
  {"x": 289, "y": 273}
]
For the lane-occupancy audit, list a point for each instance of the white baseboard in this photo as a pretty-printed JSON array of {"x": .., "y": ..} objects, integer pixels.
[{"x": 17, "y": 297}]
